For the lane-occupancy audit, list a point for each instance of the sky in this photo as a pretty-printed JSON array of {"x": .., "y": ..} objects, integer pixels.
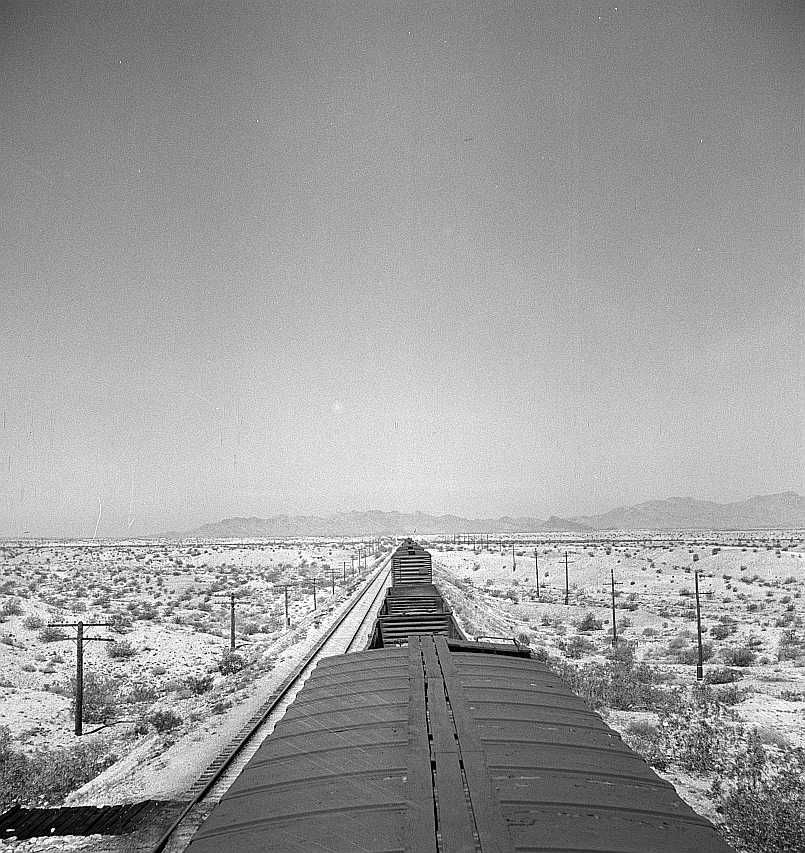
[{"x": 521, "y": 258}]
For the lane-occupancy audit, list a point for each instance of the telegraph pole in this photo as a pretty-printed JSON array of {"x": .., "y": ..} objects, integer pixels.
[
  {"x": 314, "y": 592},
  {"x": 614, "y": 626},
  {"x": 79, "y": 679},
  {"x": 536, "y": 569},
  {"x": 567, "y": 582},
  {"x": 287, "y": 616},
  {"x": 514, "y": 560},
  {"x": 231, "y": 598},
  {"x": 80, "y": 639},
  {"x": 700, "y": 660},
  {"x": 344, "y": 567},
  {"x": 332, "y": 578}
]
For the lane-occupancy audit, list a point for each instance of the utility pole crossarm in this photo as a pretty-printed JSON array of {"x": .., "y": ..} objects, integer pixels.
[{"x": 80, "y": 639}]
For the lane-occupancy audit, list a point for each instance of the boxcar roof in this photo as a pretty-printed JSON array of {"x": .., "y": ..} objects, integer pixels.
[{"x": 423, "y": 749}]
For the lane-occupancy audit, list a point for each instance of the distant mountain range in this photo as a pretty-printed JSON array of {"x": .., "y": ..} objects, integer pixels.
[{"x": 784, "y": 510}]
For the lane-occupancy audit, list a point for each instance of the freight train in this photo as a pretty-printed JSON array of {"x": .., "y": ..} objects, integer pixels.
[{"x": 428, "y": 742}]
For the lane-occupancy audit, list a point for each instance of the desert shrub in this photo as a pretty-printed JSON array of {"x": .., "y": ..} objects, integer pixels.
[
  {"x": 143, "y": 692},
  {"x": 230, "y": 663},
  {"x": 523, "y": 638},
  {"x": 147, "y": 612},
  {"x": 642, "y": 729},
  {"x": 690, "y": 654},
  {"x": 721, "y": 675},
  {"x": 121, "y": 649},
  {"x": 792, "y": 696},
  {"x": 51, "y": 633},
  {"x": 739, "y": 656},
  {"x": 680, "y": 641},
  {"x": 199, "y": 684},
  {"x": 47, "y": 776},
  {"x": 696, "y": 734},
  {"x": 120, "y": 622},
  {"x": 730, "y": 695},
  {"x": 790, "y": 646},
  {"x": 163, "y": 720},
  {"x": 623, "y": 652},
  {"x": 32, "y": 622},
  {"x": 100, "y": 697},
  {"x": 625, "y": 686},
  {"x": 540, "y": 654},
  {"x": 760, "y": 795},
  {"x": 12, "y": 607},
  {"x": 576, "y": 646},
  {"x": 590, "y": 623},
  {"x": 721, "y": 631},
  {"x": 158, "y": 670}
]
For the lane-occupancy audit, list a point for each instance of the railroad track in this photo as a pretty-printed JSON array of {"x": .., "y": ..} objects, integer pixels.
[{"x": 349, "y": 633}]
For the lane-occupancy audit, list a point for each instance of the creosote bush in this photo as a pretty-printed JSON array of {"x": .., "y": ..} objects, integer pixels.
[
  {"x": 625, "y": 685},
  {"x": 576, "y": 647},
  {"x": 121, "y": 649},
  {"x": 12, "y": 607},
  {"x": 590, "y": 623},
  {"x": 100, "y": 697},
  {"x": 721, "y": 675},
  {"x": 739, "y": 656},
  {"x": 163, "y": 720},
  {"x": 47, "y": 776},
  {"x": 759, "y": 793},
  {"x": 230, "y": 663},
  {"x": 199, "y": 684}
]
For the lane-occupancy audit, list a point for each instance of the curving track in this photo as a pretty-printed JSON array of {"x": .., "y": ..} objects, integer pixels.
[{"x": 349, "y": 633}]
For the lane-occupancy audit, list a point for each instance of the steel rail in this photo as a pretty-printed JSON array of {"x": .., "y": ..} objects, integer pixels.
[
  {"x": 381, "y": 589},
  {"x": 277, "y": 698}
]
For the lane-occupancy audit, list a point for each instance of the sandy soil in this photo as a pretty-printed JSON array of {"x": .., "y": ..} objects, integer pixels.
[{"x": 176, "y": 618}]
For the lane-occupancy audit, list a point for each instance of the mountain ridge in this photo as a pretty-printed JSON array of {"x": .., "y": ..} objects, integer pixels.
[{"x": 782, "y": 510}]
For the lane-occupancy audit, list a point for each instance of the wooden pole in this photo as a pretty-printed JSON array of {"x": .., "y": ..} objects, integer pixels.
[
  {"x": 287, "y": 614},
  {"x": 314, "y": 592},
  {"x": 79, "y": 679},
  {"x": 536, "y": 568},
  {"x": 700, "y": 657},
  {"x": 567, "y": 584},
  {"x": 232, "y": 621},
  {"x": 614, "y": 626}
]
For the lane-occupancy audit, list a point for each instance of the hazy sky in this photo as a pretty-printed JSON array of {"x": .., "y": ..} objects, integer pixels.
[{"x": 484, "y": 258}]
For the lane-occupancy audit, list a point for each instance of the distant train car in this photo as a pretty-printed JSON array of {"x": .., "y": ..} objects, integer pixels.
[{"x": 411, "y": 563}]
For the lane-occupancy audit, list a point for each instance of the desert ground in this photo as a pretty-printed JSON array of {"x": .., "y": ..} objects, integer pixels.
[{"x": 166, "y": 695}]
